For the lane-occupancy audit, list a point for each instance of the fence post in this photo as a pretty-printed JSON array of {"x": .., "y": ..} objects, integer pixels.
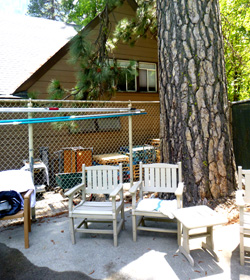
[
  {"x": 31, "y": 154},
  {"x": 130, "y": 147}
]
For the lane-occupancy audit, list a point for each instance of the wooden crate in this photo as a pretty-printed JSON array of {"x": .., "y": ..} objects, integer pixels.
[{"x": 75, "y": 157}]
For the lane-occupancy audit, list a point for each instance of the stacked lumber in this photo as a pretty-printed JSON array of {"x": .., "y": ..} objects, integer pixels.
[
  {"x": 156, "y": 143},
  {"x": 114, "y": 159},
  {"x": 145, "y": 154}
]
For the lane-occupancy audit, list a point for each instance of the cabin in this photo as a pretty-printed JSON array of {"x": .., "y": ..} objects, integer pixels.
[{"x": 39, "y": 52}]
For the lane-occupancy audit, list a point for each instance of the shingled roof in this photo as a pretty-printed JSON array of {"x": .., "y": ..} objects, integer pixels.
[{"x": 26, "y": 44}]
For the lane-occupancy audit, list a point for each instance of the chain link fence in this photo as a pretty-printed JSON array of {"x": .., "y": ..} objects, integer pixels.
[{"x": 60, "y": 148}]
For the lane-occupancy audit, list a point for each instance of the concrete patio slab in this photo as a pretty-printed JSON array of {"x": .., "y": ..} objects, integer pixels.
[{"x": 155, "y": 256}]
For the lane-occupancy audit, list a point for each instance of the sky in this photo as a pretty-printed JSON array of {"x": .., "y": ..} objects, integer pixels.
[{"x": 14, "y": 6}]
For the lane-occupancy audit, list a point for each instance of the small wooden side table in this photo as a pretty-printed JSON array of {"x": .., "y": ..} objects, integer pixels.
[{"x": 198, "y": 217}]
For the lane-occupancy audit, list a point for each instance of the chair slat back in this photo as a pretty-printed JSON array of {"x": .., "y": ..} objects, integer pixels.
[
  {"x": 102, "y": 179},
  {"x": 160, "y": 177},
  {"x": 244, "y": 173}
]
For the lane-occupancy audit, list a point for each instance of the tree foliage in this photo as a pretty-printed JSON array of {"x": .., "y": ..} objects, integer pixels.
[
  {"x": 50, "y": 9},
  {"x": 236, "y": 31},
  {"x": 83, "y": 11},
  {"x": 142, "y": 25},
  {"x": 79, "y": 12}
]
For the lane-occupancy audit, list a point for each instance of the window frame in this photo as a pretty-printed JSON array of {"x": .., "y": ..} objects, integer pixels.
[
  {"x": 136, "y": 67},
  {"x": 137, "y": 77},
  {"x": 148, "y": 71}
]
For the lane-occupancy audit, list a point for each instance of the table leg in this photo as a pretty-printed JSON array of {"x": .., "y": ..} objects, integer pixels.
[
  {"x": 209, "y": 245},
  {"x": 33, "y": 214},
  {"x": 184, "y": 248}
]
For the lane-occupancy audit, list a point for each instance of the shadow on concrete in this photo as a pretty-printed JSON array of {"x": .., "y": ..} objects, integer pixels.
[
  {"x": 238, "y": 271},
  {"x": 14, "y": 265},
  {"x": 205, "y": 265}
]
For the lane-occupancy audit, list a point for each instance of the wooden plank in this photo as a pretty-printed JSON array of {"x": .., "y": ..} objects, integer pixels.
[
  {"x": 152, "y": 177},
  {"x": 105, "y": 179},
  {"x": 69, "y": 161},
  {"x": 168, "y": 174},
  {"x": 157, "y": 177},
  {"x": 174, "y": 179},
  {"x": 247, "y": 186},
  {"x": 163, "y": 177},
  {"x": 89, "y": 181},
  {"x": 95, "y": 178},
  {"x": 158, "y": 189},
  {"x": 115, "y": 176},
  {"x": 146, "y": 177},
  {"x": 83, "y": 157},
  {"x": 110, "y": 177},
  {"x": 156, "y": 229},
  {"x": 99, "y": 179}
]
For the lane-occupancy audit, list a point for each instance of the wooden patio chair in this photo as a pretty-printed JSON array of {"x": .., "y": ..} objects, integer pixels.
[
  {"x": 162, "y": 178},
  {"x": 242, "y": 200},
  {"x": 99, "y": 179},
  {"x": 25, "y": 214}
]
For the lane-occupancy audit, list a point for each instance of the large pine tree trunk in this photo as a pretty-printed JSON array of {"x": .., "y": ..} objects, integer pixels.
[{"x": 193, "y": 95}]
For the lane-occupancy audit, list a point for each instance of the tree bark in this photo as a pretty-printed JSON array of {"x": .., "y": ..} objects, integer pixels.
[{"x": 193, "y": 95}]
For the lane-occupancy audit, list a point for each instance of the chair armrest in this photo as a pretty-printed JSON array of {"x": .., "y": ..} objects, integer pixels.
[
  {"x": 75, "y": 189},
  {"x": 116, "y": 190},
  {"x": 240, "y": 198},
  {"x": 133, "y": 190},
  {"x": 179, "y": 190},
  {"x": 136, "y": 186},
  {"x": 28, "y": 194}
]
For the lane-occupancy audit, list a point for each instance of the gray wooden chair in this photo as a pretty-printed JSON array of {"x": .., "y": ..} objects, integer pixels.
[
  {"x": 242, "y": 200},
  {"x": 99, "y": 179},
  {"x": 156, "y": 177}
]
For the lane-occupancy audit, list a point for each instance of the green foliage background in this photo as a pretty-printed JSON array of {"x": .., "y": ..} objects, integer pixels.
[{"x": 235, "y": 15}]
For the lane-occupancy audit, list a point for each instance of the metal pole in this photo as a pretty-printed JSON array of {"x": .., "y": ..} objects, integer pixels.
[
  {"x": 55, "y": 110},
  {"x": 130, "y": 148},
  {"x": 31, "y": 154},
  {"x": 67, "y": 118}
]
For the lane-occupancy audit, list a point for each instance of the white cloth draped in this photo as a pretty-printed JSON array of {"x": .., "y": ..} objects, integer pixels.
[
  {"x": 19, "y": 181},
  {"x": 166, "y": 207}
]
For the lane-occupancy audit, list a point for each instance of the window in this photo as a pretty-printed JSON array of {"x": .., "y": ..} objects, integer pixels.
[
  {"x": 147, "y": 77},
  {"x": 95, "y": 125},
  {"x": 109, "y": 124},
  {"x": 126, "y": 81}
]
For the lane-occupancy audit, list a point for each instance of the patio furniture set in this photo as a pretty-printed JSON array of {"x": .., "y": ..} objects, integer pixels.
[{"x": 153, "y": 178}]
